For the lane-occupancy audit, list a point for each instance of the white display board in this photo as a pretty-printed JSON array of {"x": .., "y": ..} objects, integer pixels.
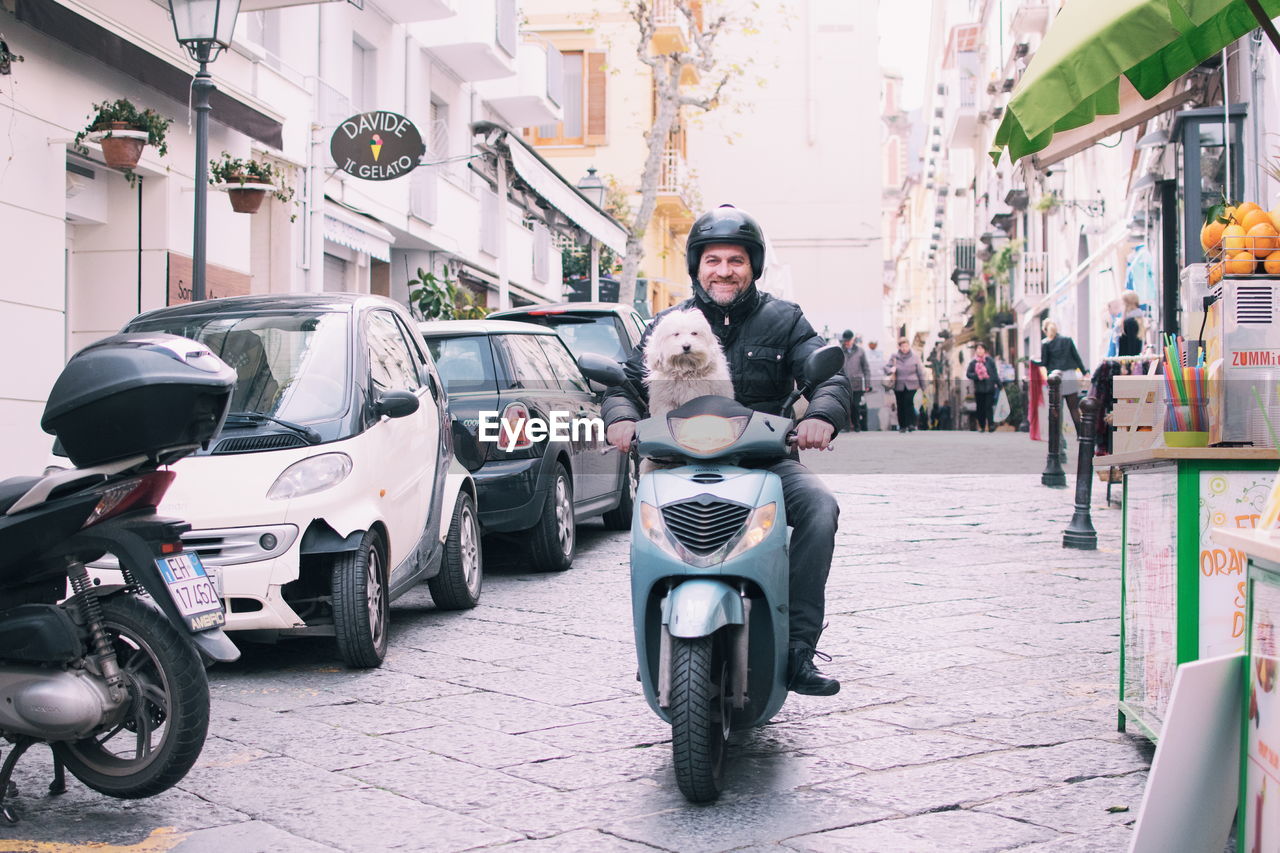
[{"x": 1233, "y": 499}]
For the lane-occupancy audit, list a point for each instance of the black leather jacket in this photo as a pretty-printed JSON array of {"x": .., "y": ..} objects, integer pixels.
[{"x": 766, "y": 341}]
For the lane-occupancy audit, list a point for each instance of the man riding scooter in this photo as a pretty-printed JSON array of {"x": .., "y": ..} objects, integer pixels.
[{"x": 766, "y": 341}]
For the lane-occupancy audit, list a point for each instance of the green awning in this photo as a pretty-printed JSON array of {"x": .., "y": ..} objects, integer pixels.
[{"x": 1074, "y": 76}]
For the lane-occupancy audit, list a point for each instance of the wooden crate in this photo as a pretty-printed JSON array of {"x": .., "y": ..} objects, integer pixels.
[{"x": 1138, "y": 413}]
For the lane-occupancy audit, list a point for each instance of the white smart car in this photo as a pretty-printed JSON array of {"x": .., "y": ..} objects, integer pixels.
[{"x": 333, "y": 487}]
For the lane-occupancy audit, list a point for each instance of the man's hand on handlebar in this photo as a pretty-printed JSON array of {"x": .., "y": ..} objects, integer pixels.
[
  {"x": 621, "y": 434},
  {"x": 814, "y": 434}
]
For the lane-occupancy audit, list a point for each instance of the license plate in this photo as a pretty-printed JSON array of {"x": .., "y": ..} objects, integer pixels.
[{"x": 192, "y": 591}]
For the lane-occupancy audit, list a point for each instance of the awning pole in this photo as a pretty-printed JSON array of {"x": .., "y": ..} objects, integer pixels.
[{"x": 1265, "y": 22}]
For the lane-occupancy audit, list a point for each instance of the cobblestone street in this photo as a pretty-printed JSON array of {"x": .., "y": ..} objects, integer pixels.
[{"x": 978, "y": 660}]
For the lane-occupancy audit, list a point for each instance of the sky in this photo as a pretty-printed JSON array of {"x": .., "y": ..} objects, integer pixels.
[{"x": 904, "y": 44}]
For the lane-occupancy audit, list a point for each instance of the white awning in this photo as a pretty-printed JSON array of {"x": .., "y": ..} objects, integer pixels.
[
  {"x": 347, "y": 227},
  {"x": 552, "y": 186}
]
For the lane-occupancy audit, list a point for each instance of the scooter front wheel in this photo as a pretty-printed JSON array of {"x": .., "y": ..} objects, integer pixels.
[{"x": 699, "y": 716}]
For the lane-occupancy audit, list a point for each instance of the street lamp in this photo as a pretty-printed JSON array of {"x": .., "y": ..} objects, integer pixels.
[
  {"x": 592, "y": 188},
  {"x": 204, "y": 28}
]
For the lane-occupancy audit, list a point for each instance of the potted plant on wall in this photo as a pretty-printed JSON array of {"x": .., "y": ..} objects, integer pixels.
[
  {"x": 122, "y": 130},
  {"x": 248, "y": 181}
]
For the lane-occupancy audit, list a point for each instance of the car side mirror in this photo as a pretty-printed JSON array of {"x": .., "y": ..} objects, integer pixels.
[
  {"x": 396, "y": 404},
  {"x": 465, "y": 447},
  {"x": 597, "y": 368},
  {"x": 822, "y": 364}
]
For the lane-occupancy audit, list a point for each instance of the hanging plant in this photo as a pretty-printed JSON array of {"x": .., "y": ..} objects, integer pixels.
[
  {"x": 1048, "y": 203},
  {"x": 122, "y": 130},
  {"x": 248, "y": 181}
]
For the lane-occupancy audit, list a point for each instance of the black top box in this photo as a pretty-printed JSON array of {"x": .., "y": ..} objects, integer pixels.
[{"x": 138, "y": 394}]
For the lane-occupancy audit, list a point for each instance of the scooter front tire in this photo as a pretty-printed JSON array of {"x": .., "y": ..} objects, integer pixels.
[{"x": 699, "y": 716}]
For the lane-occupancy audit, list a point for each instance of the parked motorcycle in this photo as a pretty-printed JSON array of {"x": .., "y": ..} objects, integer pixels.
[
  {"x": 110, "y": 675},
  {"x": 709, "y": 570}
]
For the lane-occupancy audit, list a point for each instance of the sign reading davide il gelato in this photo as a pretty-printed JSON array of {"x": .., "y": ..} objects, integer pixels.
[{"x": 377, "y": 146}]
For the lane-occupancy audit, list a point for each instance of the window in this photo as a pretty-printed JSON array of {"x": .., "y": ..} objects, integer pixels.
[
  {"x": 364, "y": 77},
  {"x": 391, "y": 366},
  {"x": 529, "y": 367},
  {"x": 465, "y": 364},
  {"x": 585, "y": 79},
  {"x": 562, "y": 365}
]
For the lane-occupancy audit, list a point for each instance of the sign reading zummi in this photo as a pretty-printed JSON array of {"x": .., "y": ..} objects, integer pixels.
[{"x": 377, "y": 146}]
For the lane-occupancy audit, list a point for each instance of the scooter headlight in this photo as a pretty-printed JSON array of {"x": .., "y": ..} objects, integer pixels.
[
  {"x": 655, "y": 529},
  {"x": 759, "y": 523},
  {"x": 706, "y": 433},
  {"x": 310, "y": 476}
]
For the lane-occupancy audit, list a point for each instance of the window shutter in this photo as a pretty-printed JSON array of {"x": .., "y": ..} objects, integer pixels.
[{"x": 597, "y": 128}]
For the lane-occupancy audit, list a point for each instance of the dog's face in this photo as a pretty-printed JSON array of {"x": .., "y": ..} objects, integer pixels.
[{"x": 682, "y": 343}]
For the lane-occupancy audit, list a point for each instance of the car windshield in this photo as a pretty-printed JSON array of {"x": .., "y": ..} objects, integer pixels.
[
  {"x": 290, "y": 366},
  {"x": 598, "y": 335},
  {"x": 464, "y": 363}
]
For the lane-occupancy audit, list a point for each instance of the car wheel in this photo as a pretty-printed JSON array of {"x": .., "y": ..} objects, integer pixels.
[
  {"x": 457, "y": 587},
  {"x": 361, "y": 605},
  {"x": 619, "y": 518},
  {"x": 555, "y": 536}
]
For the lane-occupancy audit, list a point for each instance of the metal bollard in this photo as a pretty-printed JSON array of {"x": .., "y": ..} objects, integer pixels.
[
  {"x": 1080, "y": 533},
  {"x": 1053, "y": 475}
]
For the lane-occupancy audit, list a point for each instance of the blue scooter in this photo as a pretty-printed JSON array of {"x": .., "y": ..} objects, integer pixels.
[{"x": 709, "y": 570}]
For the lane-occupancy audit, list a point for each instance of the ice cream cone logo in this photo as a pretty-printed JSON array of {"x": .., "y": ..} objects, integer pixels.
[{"x": 376, "y": 146}]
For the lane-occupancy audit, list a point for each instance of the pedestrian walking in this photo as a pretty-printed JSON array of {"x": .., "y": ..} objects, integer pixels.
[
  {"x": 986, "y": 384},
  {"x": 1130, "y": 342},
  {"x": 857, "y": 368},
  {"x": 1058, "y": 352},
  {"x": 904, "y": 373},
  {"x": 875, "y": 399}
]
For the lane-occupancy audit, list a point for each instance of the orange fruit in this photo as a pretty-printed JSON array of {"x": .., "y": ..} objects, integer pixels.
[
  {"x": 1215, "y": 273},
  {"x": 1275, "y": 218},
  {"x": 1254, "y": 217},
  {"x": 1240, "y": 263},
  {"x": 1272, "y": 264},
  {"x": 1243, "y": 210},
  {"x": 1233, "y": 238},
  {"x": 1211, "y": 235},
  {"x": 1263, "y": 239}
]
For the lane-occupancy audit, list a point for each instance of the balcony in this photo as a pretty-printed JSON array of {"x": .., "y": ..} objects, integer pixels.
[
  {"x": 1030, "y": 18},
  {"x": 1034, "y": 274},
  {"x": 672, "y": 33},
  {"x": 534, "y": 96},
  {"x": 673, "y": 184},
  {"x": 478, "y": 43},
  {"x": 412, "y": 11}
]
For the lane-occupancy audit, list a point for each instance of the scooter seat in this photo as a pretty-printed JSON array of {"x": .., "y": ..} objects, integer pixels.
[{"x": 14, "y": 488}]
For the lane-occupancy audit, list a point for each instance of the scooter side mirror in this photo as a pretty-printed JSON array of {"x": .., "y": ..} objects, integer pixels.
[
  {"x": 606, "y": 371},
  {"x": 822, "y": 364},
  {"x": 466, "y": 449}
]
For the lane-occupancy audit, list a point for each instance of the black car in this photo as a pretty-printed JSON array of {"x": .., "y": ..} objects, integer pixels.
[
  {"x": 500, "y": 378},
  {"x": 609, "y": 329}
]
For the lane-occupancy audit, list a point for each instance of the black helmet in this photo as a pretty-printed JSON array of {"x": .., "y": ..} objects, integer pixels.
[
  {"x": 725, "y": 224},
  {"x": 846, "y": 335}
]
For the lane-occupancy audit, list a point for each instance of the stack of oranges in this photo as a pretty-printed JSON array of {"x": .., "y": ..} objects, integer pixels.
[{"x": 1241, "y": 237}]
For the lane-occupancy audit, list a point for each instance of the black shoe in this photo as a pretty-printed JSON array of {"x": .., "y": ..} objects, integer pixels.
[{"x": 803, "y": 676}]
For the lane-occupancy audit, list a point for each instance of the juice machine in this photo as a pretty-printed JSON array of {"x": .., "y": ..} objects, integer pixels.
[{"x": 1242, "y": 351}]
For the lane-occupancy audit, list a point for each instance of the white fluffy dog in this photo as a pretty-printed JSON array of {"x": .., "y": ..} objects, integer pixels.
[{"x": 683, "y": 360}]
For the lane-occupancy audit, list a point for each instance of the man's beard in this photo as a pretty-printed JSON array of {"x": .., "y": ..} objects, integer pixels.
[{"x": 721, "y": 298}]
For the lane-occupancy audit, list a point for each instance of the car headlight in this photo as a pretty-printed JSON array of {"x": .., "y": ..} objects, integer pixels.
[
  {"x": 310, "y": 476},
  {"x": 706, "y": 433},
  {"x": 759, "y": 523}
]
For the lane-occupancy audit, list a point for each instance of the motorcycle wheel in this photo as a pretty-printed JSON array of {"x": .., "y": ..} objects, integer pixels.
[
  {"x": 699, "y": 716},
  {"x": 457, "y": 587},
  {"x": 162, "y": 730},
  {"x": 361, "y": 605}
]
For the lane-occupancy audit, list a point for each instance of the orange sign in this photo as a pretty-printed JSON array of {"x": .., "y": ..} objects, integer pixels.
[{"x": 218, "y": 281}]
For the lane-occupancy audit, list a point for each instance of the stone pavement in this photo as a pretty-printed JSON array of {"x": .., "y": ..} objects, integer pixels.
[{"x": 978, "y": 661}]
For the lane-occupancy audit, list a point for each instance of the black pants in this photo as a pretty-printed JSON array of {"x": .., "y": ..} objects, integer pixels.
[
  {"x": 986, "y": 402},
  {"x": 906, "y": 408},
  {"x": 812, "y": 512},
  {"x": 858, "y": 417}
]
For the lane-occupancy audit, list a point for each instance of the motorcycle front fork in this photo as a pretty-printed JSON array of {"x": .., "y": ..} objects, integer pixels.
[{"x": 741, "y": 638}]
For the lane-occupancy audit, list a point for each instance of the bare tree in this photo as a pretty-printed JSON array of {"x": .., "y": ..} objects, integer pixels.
[{"x": 702, "y": 54}]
